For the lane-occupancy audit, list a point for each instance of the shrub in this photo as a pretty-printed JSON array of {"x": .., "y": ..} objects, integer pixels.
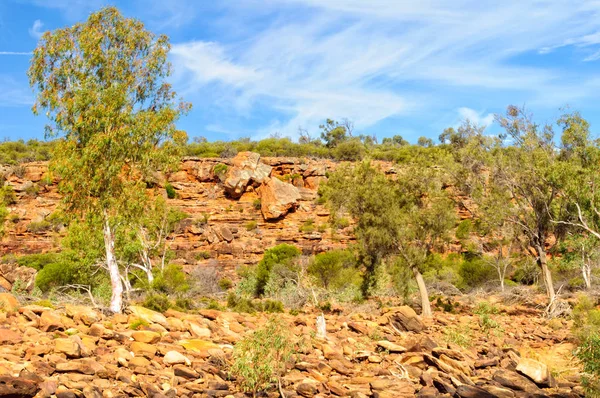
[
  {"x": 225, "y": 283},
  {"x": 36, "y": 227},
  {"x": 341, "y": 223},
  {"x": 138, "y": 324},
  {"x": 171, "y": 193},
  {"x": 350, "y": 150},
  {"x": 251, "y": 225},
  {"x": 261, "y": 358},
  {"x": 474, "y": 272},
  {"x": 257, "y": 203},
  {"x": 37, "y": 261},
  {"x": 220, "y": 169},
  {"x": 157, "y": 302},
  {"x": 464, "y": 229},
  {"x": 280, "y": 254},
  {"x": 59, "y": 274},
  {"x": 203, "y": 255},
  {"x": 327, "y": 268},
  {"x": 526, "y": 273},
  {"x": 7, "y": 195},
  {"x": 307, "y": 226},
  {"x": 184, "y": 303},
  {"x": 171, "y": 280},
  {"x": 588, "y": 352},
  {"x": 204, "y": 281}
]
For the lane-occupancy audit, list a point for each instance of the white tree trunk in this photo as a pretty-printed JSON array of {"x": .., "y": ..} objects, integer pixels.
[
  {"x": 116, "y": 301},
  {"x": 586, "y": 270},
  {"x": 425, "y": 305},
  {"x": 546, "y": 274}
]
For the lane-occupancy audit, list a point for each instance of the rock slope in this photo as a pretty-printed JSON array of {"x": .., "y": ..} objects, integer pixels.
[{"x": 77, "y": 351}]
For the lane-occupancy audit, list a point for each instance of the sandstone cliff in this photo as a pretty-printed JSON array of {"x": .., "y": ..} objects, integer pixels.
[{"x": 237, "y": 209}]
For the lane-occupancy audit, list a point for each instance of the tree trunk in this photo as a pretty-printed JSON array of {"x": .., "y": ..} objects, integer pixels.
[
  {"x": 586, "y": 270},
  {"x": 116, "y": 300},
  {"x": 546, "y": 275},
  {"x": 425, "y": 305}
]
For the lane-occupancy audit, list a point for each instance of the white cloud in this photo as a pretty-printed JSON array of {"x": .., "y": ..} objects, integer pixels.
[
  {"x": 476, "y": 117},
  {"x": 207, "y": 62},
  {"x": 15, "y": 53},
  {"x": 36, "y": 30},
  {"x": 366, "y": 60}
]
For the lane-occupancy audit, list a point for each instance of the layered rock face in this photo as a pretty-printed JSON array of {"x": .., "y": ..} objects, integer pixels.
[{"x": 237, "y": 209}]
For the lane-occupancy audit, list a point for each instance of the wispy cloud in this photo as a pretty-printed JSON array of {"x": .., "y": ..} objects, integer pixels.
[
  {"x": 478, "y": 118},
  {"x": 368, "y": 60},
  {"x": 15, "y": 53},
  {"x": 36, "y": 30}
]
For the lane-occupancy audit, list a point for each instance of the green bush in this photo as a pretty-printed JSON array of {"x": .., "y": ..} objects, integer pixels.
[
  {"x": 157, "y": 302},
  {"x": 220, "y": 169},
  {"x": 260, "y": 359},
  {"x": 7, "y": 195},
  {"x": 327, "y": 268},
  {"x": 526, "y": 273},
  {"x": 463, "y": 230},
  {"x": 171, "y": 280},
  {"x": 37, "y": 261},
  {"x": 474, "y": 272},
  {"x": 307, "y": 226},
  {"x": 171, "y": 193},
  {"x": 251, "y": 225},
  {"x": 283, "y": 254},
  {"x": 225, "y": 283},
  {"x": 36, "y": 227},
  {"x": 257, "y": 203},
  {"x": 350, "y": 150},
  {"x": 64, "y": 272}
]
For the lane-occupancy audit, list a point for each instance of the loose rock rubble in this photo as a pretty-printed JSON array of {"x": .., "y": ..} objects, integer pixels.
[{"x": 76, "y": 351}]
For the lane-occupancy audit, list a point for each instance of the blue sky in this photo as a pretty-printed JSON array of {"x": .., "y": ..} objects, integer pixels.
[{"x": 253, "y": 68}]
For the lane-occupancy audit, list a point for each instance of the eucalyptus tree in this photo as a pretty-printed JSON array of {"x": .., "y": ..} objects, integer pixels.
[
  {"x": 530, "y": 171},
  {"x": 405, "y": 218},
  {"x": 102, "y": 85}
]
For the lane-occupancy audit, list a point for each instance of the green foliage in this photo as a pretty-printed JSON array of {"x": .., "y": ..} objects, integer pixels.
[
  {"x": 7, "y": 195},
  {"x": 220, "y": 170},
  {"x": 203, "y": 255},
  {"x": 307, "y": 226},
  {"x": 464, "y": 229},
  {"x": 138, "y": 324},
  {"x": 251, "y": 225},
  {"x": 474, "y": 272},
  {"x": 351, "y": 150},
  {"x": 38, "y": 261},
  {"x": 459, "y": 335},
  {"x": 157, "y": 302},
  {"x": 44, "y": 303},
  {"x": 171, "y": 193},
  {"x": 282, "y": 254},
  {"x": 16, "y": 152},
  {"x": 486, "y": 308},
  {"x": 171, "y": 280},
  {"x": 243, "y": 304},
  {"x": 261, "y": 358},
  {"x": 225, "y": 283},
  {"x": 257, "y": 203},
  {"x": 36, "y": 227},
  {"x": 328, "y": 268},
  {"x": 586, "y": 324},
  {"x": 117, "y": 125}
]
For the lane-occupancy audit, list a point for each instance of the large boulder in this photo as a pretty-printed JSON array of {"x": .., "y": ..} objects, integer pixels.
[
  {"x": 405, "y": 319},
  {"x": 277, "y": 198},
  {"x": 536, "y": 371},
  {"x": 245, "y": 169}
]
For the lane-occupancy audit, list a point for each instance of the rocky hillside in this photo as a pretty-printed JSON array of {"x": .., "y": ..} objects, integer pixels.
[
  {"x": 237, "y": 208},
  {"x": 390, "y": 352}
]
